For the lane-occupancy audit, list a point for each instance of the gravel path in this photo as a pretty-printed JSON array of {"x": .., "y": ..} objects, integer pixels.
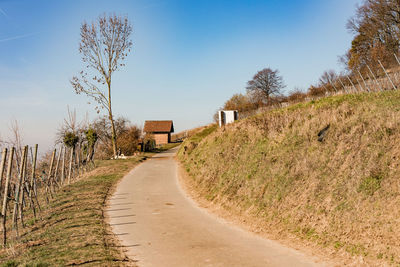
[{"x": 160, "y": 226}]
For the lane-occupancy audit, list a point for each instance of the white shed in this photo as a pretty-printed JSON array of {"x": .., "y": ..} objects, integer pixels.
[{"x": 227, "y": 116}]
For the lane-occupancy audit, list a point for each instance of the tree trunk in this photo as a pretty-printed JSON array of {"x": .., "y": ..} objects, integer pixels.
[
  {"x": 113, "y": 136},
  {"x": 113, "y": 132}
]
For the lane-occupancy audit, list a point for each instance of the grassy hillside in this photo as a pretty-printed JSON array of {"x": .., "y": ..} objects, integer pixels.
[
  {"x": 73, "y": 230},
  {"x": 342, "y": 193}
]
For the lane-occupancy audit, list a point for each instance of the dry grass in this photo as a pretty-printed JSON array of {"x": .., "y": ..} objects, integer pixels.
[
  {"x": 187, "y": 133},
  {"x": 73, "y": 230},
  {"x": 342, "y": 194}
]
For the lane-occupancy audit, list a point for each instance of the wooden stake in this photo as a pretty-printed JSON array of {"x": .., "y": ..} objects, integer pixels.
[
  {"x": 56, "y": 170},
  {"x": 5, "y": 197},
  {"x": 70, "y": 165},
  {"x": 32, "y": 183},
  {"x": 18, "y": 192},
  {"x": 361, "y": 88},
  {"x": 344, "y": 88},
  {"x": 33, "y": 177},
  {"x": 387, "y": 75},
  {"x": 78, "y": 159},
  {"x": 49, "y": 180},
  {"x": 63, "y": 166},
  {"x": 376, "y": 81},
  {"x": 3, "y": 163},
  {"x": 362, "y": 78},
  {"x": 22, "y": 191},
  {"x": 334, "y": 87},
  {"x": 397, "y": 59},
  {"x": 352, "y": 84}
]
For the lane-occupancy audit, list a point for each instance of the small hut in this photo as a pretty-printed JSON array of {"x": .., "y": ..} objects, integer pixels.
[{"x": 161, "y": 131}]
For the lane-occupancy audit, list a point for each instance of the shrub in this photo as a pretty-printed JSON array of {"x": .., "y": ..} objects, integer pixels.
[
  {"x": 128, "y": 140},
  {"x": 296, "y": 96},
  {"x": 70, "y": 139}
]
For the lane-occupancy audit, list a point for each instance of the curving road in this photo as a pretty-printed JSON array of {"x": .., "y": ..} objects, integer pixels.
[{"x": 160, "y": 226}]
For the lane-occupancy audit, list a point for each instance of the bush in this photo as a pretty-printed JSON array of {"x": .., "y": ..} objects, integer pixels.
[
  {"x": 70, "y": 139},
  {"x": 316, "y": 91},
  {"x": 296, "y": 96},
  {"x": 128, "y": 140},
  {"x": 127, "y": 136}
]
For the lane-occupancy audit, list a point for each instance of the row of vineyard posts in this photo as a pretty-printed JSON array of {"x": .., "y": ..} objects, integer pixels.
[{"x": 24, "y": 186}]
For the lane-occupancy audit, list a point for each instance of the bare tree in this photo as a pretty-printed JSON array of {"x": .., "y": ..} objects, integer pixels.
[
  {"x": 70, "y": 124},
  {"x": 265, "y": 84},
  {"x": 16, "y": 138},
  {"x": 104, "y": 46},
  {"x": 328, "y": 77}
]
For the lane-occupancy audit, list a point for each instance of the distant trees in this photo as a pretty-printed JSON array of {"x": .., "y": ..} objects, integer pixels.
[
  {"x": 375, "y": 49},
  {"x": 104, "y": 46},
  {"x": 376, "y": 26},
  {"x": 265, "y": 84},
  {"x": 238, "y": 102}
]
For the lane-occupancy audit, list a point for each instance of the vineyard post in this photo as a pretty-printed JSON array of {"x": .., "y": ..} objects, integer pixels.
[
  {"x": 33, "y": 177},
  {"x": 63, "y": 165},
  {"x": 332, "y": 85},
  {"x": 3, "y": 163},
  {"x": 344, "y": 88},
  {"x": 17, "y": 193},
  {"x": 49, "y": 181},
  {"x": 78, "y": 158},
  {"x": 352, "y": 84},
  {"x": 365, "y": 84},
  {"x": 387, "y": 75},
  {"x": 369, "y": 80},
  {"x": 5, "y": 197},
  {"x": 376, "y": 81},
  {"x": 359, "y": 83},
  {"x": 396, "y": 59},
  {"x": 22, "y": 191},
  {"x": 70, "y": 165},
  {"x": 56, "y": 170}
]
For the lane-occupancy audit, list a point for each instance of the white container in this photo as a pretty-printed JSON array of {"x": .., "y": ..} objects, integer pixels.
[{"x": 227, "y": 116}]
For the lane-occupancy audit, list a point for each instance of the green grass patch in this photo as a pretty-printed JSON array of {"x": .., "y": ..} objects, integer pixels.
[
  {"x": 370, "y": 185},
  {"x": 166, "y": 147}
]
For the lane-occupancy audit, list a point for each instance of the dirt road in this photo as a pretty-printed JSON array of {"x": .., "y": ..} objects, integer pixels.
[{"x": 161, "y": 226}]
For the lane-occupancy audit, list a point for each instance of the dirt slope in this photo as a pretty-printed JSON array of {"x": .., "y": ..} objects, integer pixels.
[{"x": 341, "y": 195}]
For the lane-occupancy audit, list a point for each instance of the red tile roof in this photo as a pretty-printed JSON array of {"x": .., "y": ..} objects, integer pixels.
[{"x": 158, "y": 126}]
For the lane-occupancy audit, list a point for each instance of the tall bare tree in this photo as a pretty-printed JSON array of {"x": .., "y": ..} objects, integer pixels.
[
  {"x": 265, "y": 84},
  {"x": 104, "y": 46}
]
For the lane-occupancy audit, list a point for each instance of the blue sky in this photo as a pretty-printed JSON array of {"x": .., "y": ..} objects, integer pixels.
[{"x": 188, "y": 56}]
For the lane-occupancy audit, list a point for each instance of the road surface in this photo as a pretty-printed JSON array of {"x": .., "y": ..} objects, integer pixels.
[{"x": 160, "y": 226}]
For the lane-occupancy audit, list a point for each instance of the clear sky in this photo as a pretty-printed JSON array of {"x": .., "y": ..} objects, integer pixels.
[{"x": 188, "y": 58}]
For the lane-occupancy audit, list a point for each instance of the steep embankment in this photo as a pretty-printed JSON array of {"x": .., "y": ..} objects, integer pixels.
[{"x": 342, "y": 194}]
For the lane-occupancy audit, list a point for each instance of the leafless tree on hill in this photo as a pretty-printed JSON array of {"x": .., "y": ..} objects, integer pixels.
[
  {"x": 16, "y": 138},
  {"x": 70, "y": 124},
  {"x": 265, "y": 84},
  {"x": 104, "y": 46}
]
